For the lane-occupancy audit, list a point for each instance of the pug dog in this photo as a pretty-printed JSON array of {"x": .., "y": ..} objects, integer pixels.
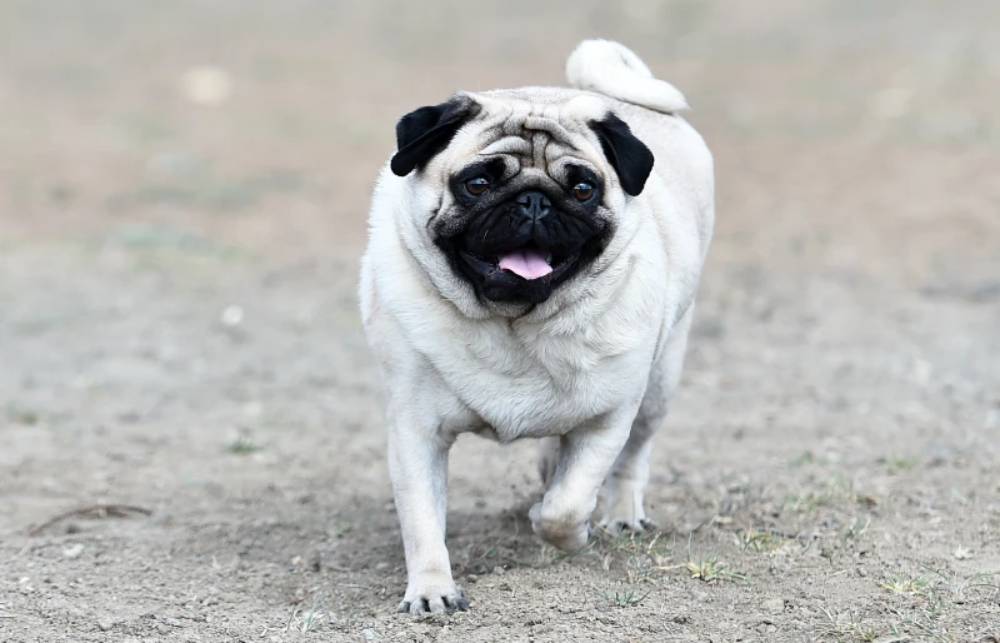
[{"x": 531, "y": 271}]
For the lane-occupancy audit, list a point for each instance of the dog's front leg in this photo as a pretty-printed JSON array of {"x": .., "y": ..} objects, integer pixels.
[
  {"x": 586, "y": 456},
  {"x": 418, "y": 466}
]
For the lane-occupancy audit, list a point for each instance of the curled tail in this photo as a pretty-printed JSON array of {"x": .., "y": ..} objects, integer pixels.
[{"x": 610, "y": 68}]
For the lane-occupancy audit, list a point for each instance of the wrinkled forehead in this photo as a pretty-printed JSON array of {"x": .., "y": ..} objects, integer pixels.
[{"x": 530, "y": 136}]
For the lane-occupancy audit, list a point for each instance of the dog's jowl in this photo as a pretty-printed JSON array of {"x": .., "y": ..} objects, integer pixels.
[{"x": 531, "y": 271}]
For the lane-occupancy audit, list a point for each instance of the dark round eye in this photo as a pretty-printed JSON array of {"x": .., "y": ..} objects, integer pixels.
[
  {"x": 477, "y": 186},
  {"x": 583, "y": 191}
]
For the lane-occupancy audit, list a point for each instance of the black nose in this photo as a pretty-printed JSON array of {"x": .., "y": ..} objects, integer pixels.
[{"x": 534, "y": 205}]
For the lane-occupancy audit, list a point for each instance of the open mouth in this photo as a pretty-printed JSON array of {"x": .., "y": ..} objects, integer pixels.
[
  {"x": 528, "y": 263},
  {"x": 527, "y": 273}
]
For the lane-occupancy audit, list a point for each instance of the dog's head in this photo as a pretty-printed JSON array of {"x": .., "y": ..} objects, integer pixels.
[{"x": 526, "y": 187}]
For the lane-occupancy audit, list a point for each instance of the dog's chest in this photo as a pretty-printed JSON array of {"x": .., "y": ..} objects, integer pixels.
[{"x": 527, "y": 381}]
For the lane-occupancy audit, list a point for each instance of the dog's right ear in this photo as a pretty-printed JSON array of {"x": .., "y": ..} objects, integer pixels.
[{"x": 424, "y": 132}]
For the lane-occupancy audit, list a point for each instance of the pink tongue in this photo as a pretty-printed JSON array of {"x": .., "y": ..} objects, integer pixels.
[{"x": 528, "y": 264}]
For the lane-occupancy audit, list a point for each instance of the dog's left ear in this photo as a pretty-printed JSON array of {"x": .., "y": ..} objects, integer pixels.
[
  {"x": 423, "y": 133},
  {"x": 629, "y": 156}
]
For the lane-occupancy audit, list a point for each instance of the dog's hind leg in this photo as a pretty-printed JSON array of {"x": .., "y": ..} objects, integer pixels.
[
  {"x": 622, "y": 500},
  {"x": 621, "y": 504}
]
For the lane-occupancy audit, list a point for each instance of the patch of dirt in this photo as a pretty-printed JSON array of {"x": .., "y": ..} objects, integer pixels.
[{"x": 179, "y": 328}]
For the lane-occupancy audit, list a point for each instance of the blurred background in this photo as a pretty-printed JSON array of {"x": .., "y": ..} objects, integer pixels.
[{"x": 183, "y": 196}]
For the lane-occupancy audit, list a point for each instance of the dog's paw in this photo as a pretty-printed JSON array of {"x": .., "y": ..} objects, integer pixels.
[
  {"x": 622, "y": 508},
  {"x": 619, "y": 526},
  {"x": 562, "y": 532},
  {"x": 433, "y": 594}
]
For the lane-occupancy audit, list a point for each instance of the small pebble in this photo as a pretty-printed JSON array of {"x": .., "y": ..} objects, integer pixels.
[
  {"x": 73, "y": 551},
  {"x": 774, "y": 605},
  {"x": 206, "y": 85},
  {"x": 231, "y": 316},
  {"x": 962, "y": 553}
]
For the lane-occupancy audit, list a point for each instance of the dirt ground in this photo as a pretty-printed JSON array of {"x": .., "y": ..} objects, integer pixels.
[{"x": 191, "y": 445}]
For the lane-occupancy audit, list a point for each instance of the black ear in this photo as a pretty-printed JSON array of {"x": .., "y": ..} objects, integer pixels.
[
  {"x": 426, "y": 131},
  {"x": 631, "y": 159}
]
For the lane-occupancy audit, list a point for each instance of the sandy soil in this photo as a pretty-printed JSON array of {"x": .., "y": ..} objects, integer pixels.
[{"x": 178, "y": 328}]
